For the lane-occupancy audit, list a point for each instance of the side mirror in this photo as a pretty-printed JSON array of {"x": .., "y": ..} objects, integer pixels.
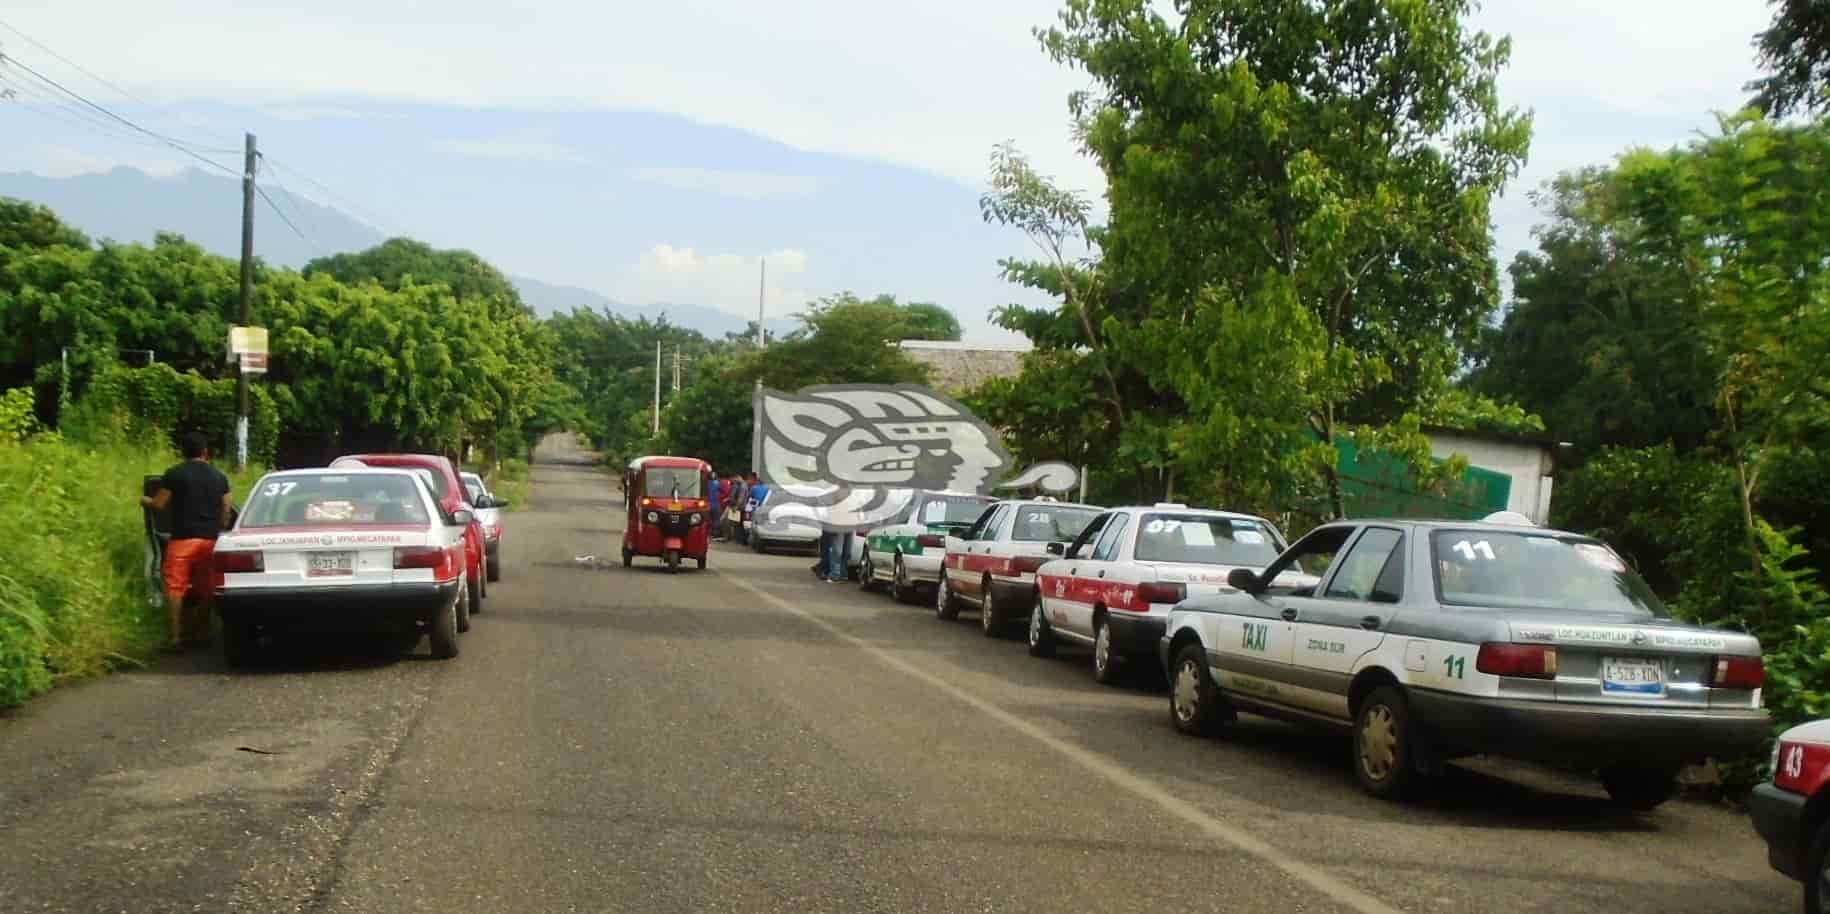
[
  {"x": 1056, "y": 548},
  {"x": 462, "y": 517},
  {"x": 1244, "y": 579}
]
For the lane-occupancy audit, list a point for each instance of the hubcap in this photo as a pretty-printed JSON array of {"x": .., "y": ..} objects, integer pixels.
[
  {"x": 1187, "y": 696},
  {"x": 1378, "y": 742},
  {"x": 985, "y": 621},
  {"x": 1035, "y": 624},
  {"x": 1102, "y": 647}
]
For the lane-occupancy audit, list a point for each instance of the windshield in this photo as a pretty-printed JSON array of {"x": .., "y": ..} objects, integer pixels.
[
  {"x": 1537, "y": 571},
  {"x": 335, "y": 501},
  {"x": 958, "y": 510},
  {"x": 473, "y": 488},
  {"x": 1201, "y": 539},
  {"x": 668, "y": 482},
  {"x": 1042, "y": 523}
]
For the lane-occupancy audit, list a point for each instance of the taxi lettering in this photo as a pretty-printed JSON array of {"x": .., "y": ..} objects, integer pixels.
[{"x": 1252, "y": 638}]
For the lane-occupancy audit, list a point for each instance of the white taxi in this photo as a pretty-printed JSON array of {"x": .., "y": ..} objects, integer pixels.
[
  {"x": 906, "y": 553},
  {"x": 993, "y": 563},
  {"x": 1114, "y": 585},
  {"x": 342, "y": 550}
]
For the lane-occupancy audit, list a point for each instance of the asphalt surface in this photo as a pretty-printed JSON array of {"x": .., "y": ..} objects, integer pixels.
[{"x": 750, "y": 739}]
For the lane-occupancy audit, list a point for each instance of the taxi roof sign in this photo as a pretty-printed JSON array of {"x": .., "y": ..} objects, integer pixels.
[
  {"x": 1170, "y": 504},
  {"x": 1512, "y": 518}
]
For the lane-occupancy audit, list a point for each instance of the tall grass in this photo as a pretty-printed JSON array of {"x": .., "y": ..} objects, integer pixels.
[{"x": 73, "y": 596}]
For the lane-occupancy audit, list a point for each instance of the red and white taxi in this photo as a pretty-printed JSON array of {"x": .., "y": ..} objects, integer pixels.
[
  {"x": 342, "y": 550},
  {"x": 993, "y": 563},
  {"x": 1113, "y": 587},
  {"x": 1792, "y": 811}
]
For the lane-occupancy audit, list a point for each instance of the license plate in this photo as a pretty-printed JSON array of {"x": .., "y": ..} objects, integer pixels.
[
  {"x": 1632, "y": 676},
  {"x": 330, "y": 564}
]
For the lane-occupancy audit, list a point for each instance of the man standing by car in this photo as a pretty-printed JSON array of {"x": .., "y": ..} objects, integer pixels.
[{"x": 197, "y": 494}]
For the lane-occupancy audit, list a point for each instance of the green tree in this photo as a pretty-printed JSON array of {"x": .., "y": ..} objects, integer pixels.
[
  {"x": 926, "y": 320},
  {"x": 711, "y": 418},
  {"x": 1795, "y": 53},
  {"x": 845, "y": 340}
]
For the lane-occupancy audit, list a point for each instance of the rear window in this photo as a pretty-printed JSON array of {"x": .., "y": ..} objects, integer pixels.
[
  {"x": 946, "y": 510},
  {"x": 1201, "y": 539},
  {"x": 1050, "y": 523},
  {"x": 1504, "y": 569},
  {"x": 334, "y": 500},
  {"x": 667, "y": 482}
]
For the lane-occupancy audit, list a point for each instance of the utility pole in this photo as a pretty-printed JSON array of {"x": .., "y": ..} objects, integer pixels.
[
  {"x": 762, "y": 282},
  {"x": 657, "y": 388},
  {"x": 676, "y": 369},
  {"x": 249, "y": 156}
]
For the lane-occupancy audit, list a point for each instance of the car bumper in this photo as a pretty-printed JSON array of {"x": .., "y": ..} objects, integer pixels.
[
  {"x": 1136, "y": 635},
  {"x": 1013, "y": 594},
  {"x": 377, "y": 607},
  {"x": 921, "y": 569},
  {"x": 1588, "y": 735},
  {"x": 1778, "y": 816}
]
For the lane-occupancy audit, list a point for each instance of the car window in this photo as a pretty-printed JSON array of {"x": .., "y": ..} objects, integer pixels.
[
  {"x": 1311, "y": 555},
  {"x": 1360, "y": 571},
  {"x": 994, "y": 527},
  {"x": 1046, "y": 523},
  {"x": 331, "y": 499},
  {"x": 978, "y": 526},
  {"x": 945, "y": 509},
  {"x": 670, "y": 482},
  {"x": 1506, "y": 569},
  {"x": 1082, "y": 544},
  {"x": 1114, "y": 533},
  {"x": 1205, "y": 539}
]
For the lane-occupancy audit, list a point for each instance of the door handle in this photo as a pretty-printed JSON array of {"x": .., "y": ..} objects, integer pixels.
[
  {"x": 1289, "y": 615},
  {"x": 1370, "y": 623},
  {"x": 1073, "y": 570}
]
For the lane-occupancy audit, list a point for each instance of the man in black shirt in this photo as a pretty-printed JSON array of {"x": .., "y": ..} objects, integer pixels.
[{"x": 197, "y": 494}]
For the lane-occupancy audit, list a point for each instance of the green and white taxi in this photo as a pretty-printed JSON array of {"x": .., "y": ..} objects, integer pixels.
[
  {"x": 906, "y": 554},
  {"x": 1433, "y": 640}
]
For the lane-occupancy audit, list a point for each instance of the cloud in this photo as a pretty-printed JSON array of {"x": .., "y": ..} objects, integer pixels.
[
  {"x": 665, "y": 273},
  {"x": 56, "y": 161},
  {"x": 317, "y": 113},
  {"x": 746, "y": 185},
  {"x": 520, "y": 145}
]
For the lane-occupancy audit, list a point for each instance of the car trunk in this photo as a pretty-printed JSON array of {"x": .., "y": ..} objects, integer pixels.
[{"x": 1632, "y": 660}]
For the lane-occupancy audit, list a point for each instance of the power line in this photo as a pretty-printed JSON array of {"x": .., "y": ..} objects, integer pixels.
[
  {"x": 7, "y": 58},
  {"x": 353, "y": 206},
  {"x": 299, "y": 211},
  {"x": 28, "y": 93},
  {"x": 282, "y": 214}
]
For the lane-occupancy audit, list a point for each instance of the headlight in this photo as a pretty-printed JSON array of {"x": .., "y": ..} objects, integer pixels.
[
  {"x": 694, "y": 519},
  {"x": 654, "y": 518}
]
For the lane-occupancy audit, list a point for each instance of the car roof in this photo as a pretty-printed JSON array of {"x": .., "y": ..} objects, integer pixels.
[
  {"x": 1049, "y": 502},
  {"x": 467, "y": 476},
  {"x": 1441, "y": 523},
  {"x": 344, "y": 471},
  {"x": 1186, "y": 509}
]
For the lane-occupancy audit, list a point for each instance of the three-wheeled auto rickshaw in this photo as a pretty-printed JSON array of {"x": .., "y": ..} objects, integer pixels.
[{"x": 670, "y": 514}]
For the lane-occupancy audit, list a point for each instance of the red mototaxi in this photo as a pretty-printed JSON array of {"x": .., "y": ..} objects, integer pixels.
[{"x": 669, "y": 511}]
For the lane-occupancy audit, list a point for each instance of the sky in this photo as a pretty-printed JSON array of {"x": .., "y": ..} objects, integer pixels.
[{"x": 661, "y": 152}]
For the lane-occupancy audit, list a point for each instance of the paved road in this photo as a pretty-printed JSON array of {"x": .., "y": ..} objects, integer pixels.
[{"x": 750, "y": 739}]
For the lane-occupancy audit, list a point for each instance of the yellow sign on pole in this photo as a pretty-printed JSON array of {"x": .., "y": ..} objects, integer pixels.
[{"x": 247, "y": 341}]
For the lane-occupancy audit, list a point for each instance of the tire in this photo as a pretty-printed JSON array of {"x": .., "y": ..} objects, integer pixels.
[
  {"x": 990, "y": 623},
  {"x": 495, "y": 568},
  {"x": 628, "y": 558},
  {"x": 240, "y": 643},
  {"x": 701, "y": 563},
  {"x": 1041, "y": 636},
  {"x": 473, "y": 591},
  {"x": 1639, "y": 789},
  {"x": 673, "y": 561},
  {"x": 946, "y": 608},
  {"x": 901, "y": 587},
  {"x": 1196, "y": 707},
  {"x": 1106, "y": 662},
  {"x": 463, "y": 615},
  {"x": 443, "y": 632},
  {"x": 867, "y": 573},
  {"x": 1817, "y": 872},
  {"x": 1384, "y": 757}
]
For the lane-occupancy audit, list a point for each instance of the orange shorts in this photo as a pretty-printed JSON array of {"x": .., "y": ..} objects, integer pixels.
[{"x": 187, "y": 566}]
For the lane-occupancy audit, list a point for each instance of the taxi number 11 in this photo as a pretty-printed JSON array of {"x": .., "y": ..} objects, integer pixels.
[{"x": 1454, "y": 667}]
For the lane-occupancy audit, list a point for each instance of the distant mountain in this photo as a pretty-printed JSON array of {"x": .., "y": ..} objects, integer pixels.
[
  {"x": 127, "y": 204},
  {"x": 547, "y": 298}
]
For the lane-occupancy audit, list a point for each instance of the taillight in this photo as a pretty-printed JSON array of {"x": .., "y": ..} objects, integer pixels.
[
  {"x": 1159, "y": 592},
  {"x": 1739, "y": 673},
  {"x": 1024, "y": 564},
  {"x": 433, "y": 557},
  {"x": 240, "y": 562},
  {"x": 931, "y": 541},
  {"x": 1531, "y": 661}
]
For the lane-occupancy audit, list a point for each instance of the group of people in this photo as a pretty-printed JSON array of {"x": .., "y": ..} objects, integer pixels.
[{"x": 731, "y": 498}]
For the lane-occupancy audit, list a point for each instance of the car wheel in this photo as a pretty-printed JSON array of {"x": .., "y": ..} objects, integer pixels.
[
  {"x": 628, "y": 558},
  {"x": 1639, "y": 789},
  {"x": 240, "y": 643},
  {"x": 900, "y": 586},
  {"x": 495, "y": 568},
  {"x": 1105, "y": 659},
  {"x": 1383, "y": 757},
  {"x": 945, "y": 609},
  {"x": 702, "y": 563},
  {"x": 1041, "y": 636},
  {"x": 1817, "y": 873},
  {"x": 444, "y": 630},
  {"x": 990, "y": 623},
  {"x": 673, "y": 561},
  {"x": 473, "y": 591},
  {"x": 463, "y": 614},
  {"x": 1195, "y": 705},
  {"x": 867, "y": 573}
]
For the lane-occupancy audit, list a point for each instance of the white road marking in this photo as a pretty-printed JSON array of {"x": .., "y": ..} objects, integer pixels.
[{"x": 1348, "y": 896}]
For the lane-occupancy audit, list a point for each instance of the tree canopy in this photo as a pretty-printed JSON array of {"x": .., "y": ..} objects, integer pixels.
[{"x": 1795, "y": 53}]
